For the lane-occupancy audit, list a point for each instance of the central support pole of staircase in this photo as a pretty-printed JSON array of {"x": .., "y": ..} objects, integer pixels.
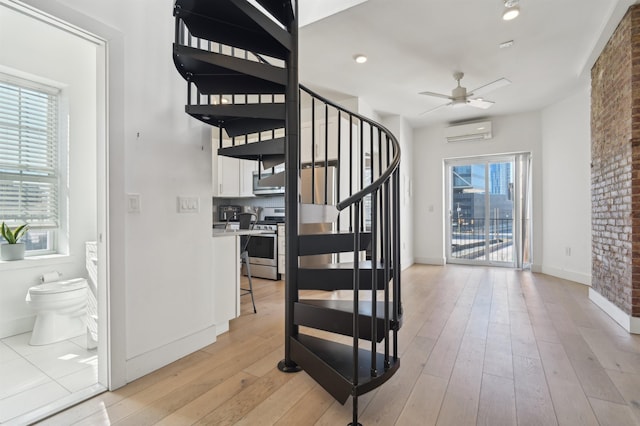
[{"x": 292, "y": 173}]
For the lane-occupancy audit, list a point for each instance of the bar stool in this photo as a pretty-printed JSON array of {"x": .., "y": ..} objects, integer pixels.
[{"x": 247, "y": 221}]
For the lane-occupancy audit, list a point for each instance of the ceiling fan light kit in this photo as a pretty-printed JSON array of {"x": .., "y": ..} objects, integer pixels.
[
  {"x": 511, "y": 9},
  {"x": 460, "y": 96}
]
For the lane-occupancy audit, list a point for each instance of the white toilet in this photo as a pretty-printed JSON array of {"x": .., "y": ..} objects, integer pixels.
[{"x": 61, "y": 307}]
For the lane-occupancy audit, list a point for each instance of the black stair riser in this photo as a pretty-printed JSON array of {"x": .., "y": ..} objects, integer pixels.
[
  {"x": 336, "y": 279},
  {"x": 312, "y": 244},
  {"x": 337, "y": 321},
  {"x": 331, "y": 365}
]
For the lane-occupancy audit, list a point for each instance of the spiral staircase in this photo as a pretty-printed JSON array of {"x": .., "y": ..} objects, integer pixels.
[{"x": 240, "y": 61}]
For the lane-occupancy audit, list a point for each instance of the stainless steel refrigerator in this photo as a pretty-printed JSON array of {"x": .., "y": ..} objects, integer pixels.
[{"x": 313, "y": 182}]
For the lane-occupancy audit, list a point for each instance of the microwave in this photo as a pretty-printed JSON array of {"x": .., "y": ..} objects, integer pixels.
[{"x": 266, "y": 188}]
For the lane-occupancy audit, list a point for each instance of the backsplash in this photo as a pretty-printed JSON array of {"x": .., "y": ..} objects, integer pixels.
[{"x": 263, "y": 201}]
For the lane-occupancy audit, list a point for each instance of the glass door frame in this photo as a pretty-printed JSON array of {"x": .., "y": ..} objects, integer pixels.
[{"x": 449, "y": 213}]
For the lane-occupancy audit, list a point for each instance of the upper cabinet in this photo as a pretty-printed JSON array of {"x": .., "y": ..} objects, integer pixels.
[
  {"x": 231, "y": 177},
  {"x": 317, "y": 140}
]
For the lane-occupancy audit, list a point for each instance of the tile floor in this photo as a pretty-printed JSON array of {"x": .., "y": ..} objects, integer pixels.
[{"x": 34, "y": 376}]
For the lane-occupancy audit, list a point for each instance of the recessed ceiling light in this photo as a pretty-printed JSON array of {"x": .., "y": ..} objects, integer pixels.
[
  {"x": 511, "y": 10},
  {"x": 361, "y": 59}
]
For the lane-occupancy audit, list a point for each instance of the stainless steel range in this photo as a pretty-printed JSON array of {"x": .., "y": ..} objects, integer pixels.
[{"x": 263, "y": 248}]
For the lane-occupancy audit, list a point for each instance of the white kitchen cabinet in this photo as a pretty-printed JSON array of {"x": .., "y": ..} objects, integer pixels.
[
  {"x": 231, "y": 177},
  {"x": 245, "y": 185},
  {"x": 226, "y": 276},
  {"x": 319, "y": 147},
  {"x": 226, "y": 173}
]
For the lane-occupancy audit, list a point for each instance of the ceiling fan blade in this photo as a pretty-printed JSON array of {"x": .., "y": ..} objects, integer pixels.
[
  {"x": 479, "y": 103},
  {"x": 437, "y": 95},
  {"x": 501, "y": 82},
  {"x": 435, "y": 109}
]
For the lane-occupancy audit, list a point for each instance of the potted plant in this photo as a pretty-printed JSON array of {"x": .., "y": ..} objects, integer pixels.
[{"x": 12, "y": 249}]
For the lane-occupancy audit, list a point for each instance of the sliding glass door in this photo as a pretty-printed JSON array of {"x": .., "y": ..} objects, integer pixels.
[{"x": 484, "y": 200}]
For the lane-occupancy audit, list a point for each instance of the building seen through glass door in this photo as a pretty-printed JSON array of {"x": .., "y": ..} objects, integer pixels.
[{"x": 483, "y": 198}]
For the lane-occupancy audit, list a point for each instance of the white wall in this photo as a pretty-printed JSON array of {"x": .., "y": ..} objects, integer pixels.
[
  {"x": 514, "y": 133},
  {"x": 404, "y": 133},
  {"x": 566, "y": 188},
  {"x": 68, "y": 62},
  {"x": 160, "y": 274}
]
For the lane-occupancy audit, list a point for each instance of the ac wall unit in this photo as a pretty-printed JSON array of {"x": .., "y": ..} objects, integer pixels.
[{"x": 468, "y": 131}]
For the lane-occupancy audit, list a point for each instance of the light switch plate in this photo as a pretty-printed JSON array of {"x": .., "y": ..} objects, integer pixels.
[
  {"x": 133, "y": 203},
  {"x": 188, "y": 204}
]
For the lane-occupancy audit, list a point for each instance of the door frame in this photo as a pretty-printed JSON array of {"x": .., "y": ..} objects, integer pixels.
[{"x": 448, "y": 164}]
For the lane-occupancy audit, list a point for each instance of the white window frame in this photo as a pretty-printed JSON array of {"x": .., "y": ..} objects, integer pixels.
[{"x": 58, "y": 151}]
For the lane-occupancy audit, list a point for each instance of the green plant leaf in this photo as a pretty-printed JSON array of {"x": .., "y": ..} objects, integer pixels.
[
  {"x": 19, "y": 232},
  {"x": 12, "y": 237},
  {"x": 3, "y": 231}
]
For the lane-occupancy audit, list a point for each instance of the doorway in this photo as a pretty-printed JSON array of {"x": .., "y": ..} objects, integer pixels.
[
  {"x": 47, "y": 377},
  {"x": 488, "y": 210}
]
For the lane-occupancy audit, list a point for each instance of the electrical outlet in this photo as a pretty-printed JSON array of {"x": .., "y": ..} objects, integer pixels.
[
  {"x": 567, "y": 251},
  {"x": 188, "y": 204}
]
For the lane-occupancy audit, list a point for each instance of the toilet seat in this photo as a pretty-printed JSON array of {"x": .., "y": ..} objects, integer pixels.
[{"x": 59, "y": 286}]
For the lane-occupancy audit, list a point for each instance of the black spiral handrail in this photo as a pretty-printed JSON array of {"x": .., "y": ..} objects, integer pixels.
[{"x": 376, "y": 184}]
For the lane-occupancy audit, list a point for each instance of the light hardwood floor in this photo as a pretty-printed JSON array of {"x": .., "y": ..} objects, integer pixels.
[{"x": 485, "y": 346}]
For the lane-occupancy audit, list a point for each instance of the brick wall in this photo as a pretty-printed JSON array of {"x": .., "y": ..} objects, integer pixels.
[{"x": 615, "y": 171}]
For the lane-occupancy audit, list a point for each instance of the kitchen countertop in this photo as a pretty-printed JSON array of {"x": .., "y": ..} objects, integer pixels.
[{"x": 238, "y": 232}]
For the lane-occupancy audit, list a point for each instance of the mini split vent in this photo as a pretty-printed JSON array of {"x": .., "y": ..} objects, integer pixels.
[{"x": 468, "y": 131}]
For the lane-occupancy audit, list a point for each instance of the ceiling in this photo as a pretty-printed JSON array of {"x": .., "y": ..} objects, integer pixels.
[{"x": 416, "y": 45}]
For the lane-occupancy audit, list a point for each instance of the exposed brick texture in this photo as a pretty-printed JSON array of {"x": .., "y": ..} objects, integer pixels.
[{"x": 615, "y": 170}]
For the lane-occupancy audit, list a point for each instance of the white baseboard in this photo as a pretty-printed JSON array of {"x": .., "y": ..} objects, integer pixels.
[
  {"x": 578, "y": 277},
  {"x": 222, "y": 328},
  {"x": 406, "y": 263},
  {"x": 17, "y": 326},
  {"x": 140, "y": 365},
  {"x": 629, "y": 323},
  {"x": 536, "y": 268},
  {"x": 430, "y": 260}
]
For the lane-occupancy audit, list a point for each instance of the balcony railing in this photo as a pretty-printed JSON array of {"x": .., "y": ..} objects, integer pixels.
[{"x": 482, "y": 239}]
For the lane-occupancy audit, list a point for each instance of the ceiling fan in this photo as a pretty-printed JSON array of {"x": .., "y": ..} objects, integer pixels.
[{"x": 459, "y": 95}]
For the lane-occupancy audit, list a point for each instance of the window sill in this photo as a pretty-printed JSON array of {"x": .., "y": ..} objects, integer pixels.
[{"x": 35, "y": 262}]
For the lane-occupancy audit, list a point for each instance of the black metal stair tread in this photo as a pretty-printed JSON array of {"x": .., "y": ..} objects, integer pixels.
[
  {"x": 363, "y": 265},
  {"x": 279, "y": 9},
  {"x": 331, "y": 365},
  {"x": 275, "y": 111},
  {"x": 255, "y": 150},
  {"x": 336, "y": 316},
  {"x": 234, "y": 23},
  {"x": 240, "y": 119},
  {"x": 339, "y": 276},
  {"x": 364, "y": 306},
  {"x": 216, "y": 73},
  {"x": 332, "y": 242}
]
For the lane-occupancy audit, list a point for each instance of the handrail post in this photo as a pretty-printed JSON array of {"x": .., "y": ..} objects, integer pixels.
[{"x": 292, "y": 172}]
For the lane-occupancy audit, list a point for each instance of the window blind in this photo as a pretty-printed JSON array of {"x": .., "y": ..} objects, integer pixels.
[{"x": 29, "y": 181}]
